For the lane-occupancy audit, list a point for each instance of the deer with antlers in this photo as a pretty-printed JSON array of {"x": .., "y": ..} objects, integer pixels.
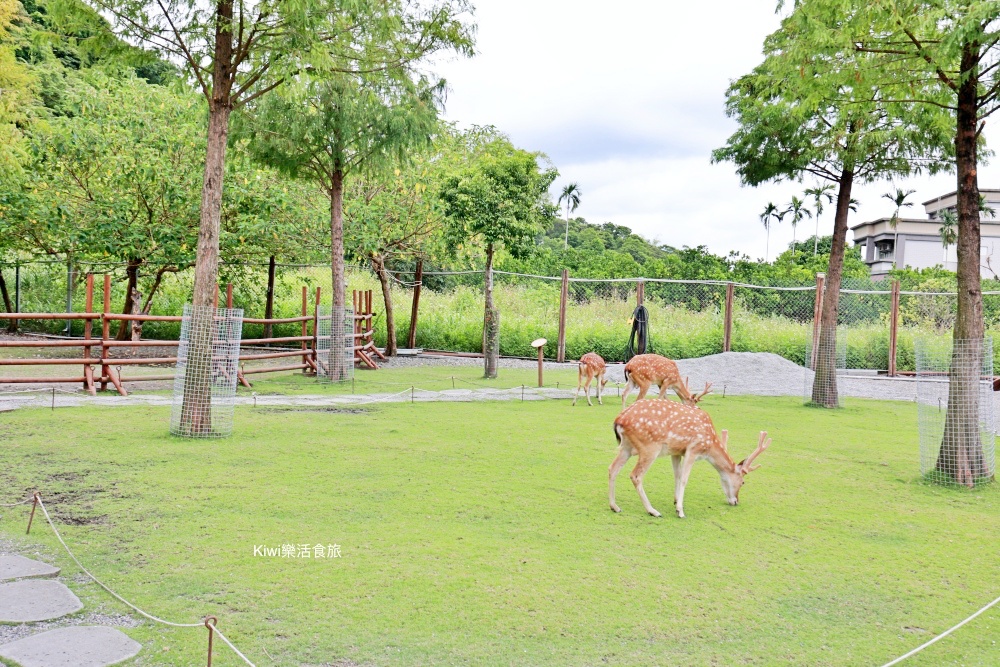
[
  {"x": 592, "y": 367},
  {"x": 645, "y": 370},
  {"x": 650, "y": 429}
]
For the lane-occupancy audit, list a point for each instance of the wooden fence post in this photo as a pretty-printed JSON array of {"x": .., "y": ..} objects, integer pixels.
[
  {"x": 105, "y": 332},
  {"x": 563, "y": 299},
  {"x": 418, "y": 281},
  {"x": 229, "y": 295},
  {"x": 894, "y": 328},
  {"x": 305, "y": 329},
  {"x": 88, "y": 324},
  {"x": 269, "y": 299},
  {"x": 640, "y": 293},
  {"x": 727, "y": 326},
  {"x": 817, "y": 316}
]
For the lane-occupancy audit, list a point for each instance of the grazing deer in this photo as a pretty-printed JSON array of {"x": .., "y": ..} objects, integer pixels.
[
  {"x": 591, "y": 366},
  {"x": 645, "y": 370},
  {"x": 652, "y": 428}
]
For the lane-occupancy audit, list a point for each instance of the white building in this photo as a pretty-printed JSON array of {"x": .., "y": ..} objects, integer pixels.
[{"x": 916, "y": 242}]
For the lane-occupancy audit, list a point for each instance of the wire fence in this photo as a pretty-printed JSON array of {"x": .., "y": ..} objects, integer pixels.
[{"x": 688, "y": 318}]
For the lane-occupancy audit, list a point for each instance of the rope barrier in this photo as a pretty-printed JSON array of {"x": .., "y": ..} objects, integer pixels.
[
  {"x": 38, "y": 500},
  {"x": 941, "y": 636}
]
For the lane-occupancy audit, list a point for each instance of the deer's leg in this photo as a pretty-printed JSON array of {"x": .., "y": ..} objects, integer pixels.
[
  {"x": 579, "y": 382},
  {"x": 600, "y": 389},
  {"x": 686, "y": 465},
  {"x": 676, "y": 460},
  {"x": 586, "y": 389},
  {"x": 645, "y": 461},
  {"x": 623, "y": 455},
  {"x": 642, "y": 392},
  {"x": 629, "y": 386}
]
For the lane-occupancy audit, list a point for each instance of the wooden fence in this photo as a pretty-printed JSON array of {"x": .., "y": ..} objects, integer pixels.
[{"x": 101, "y": 370}]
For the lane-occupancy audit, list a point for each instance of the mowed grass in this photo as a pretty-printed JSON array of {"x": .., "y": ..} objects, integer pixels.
[{"x": 480, "y": 534}]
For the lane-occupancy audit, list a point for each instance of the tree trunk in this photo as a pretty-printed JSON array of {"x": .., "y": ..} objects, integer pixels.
[
  {"x": 961, "y": 455},
  {"x": 196, "y": 410},
  {"x": 8, "y": 306},
  {"x": 378, "y": 263},
  {"x": 132, "y": 284},
  {"x": 269, "y": 299},
  {"x": 491, "y": 321},
  {"x": 338, "y": 362},
  {"x": 824, "y": 391}
]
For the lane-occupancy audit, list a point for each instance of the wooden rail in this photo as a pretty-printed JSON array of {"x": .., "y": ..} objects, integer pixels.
[{"x": 102, "y": 369}]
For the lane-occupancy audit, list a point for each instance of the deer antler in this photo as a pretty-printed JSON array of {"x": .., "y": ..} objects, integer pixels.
[
  {"x": 702, "y": 394},
  {"x": 762, "y": 443}
]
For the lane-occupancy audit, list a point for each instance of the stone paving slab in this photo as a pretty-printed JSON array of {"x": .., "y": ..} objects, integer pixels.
[
  {"x": 19, "y": 567},
  {"x": 79, "y": 646},
  {"x": 32, "y": 600}
]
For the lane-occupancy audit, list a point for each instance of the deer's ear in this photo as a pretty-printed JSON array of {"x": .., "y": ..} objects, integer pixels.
[{"x": 724, "y": 440}]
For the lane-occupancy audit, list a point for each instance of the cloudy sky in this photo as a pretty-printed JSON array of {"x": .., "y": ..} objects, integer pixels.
[{"x": 627, "y": 99}]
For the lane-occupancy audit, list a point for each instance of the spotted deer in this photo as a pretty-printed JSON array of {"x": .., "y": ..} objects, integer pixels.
[
  {"x": 649, "y": 429},
  {"x": 646, "y": 370},
  {"x": 591, "y": 366}
]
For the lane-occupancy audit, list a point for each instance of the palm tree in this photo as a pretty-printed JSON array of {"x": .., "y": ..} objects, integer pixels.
[
  {"x": 770, "y": 211},
  {"x": 819, "y": 194},
  {"x": 571, "y": 195},
  {"x": 984, "y": 207},
  {"x": 948, "y": 231},
  {"x": 899, "y": 199},
  {"x": 799, "y": 213}
]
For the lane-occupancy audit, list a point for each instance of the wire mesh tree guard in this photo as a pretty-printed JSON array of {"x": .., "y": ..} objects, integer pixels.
[
  {"x": 205, "y": 384},
  {"x": 955, "y": 409},
  {"x": 335, "y": 343},
  {"x": 821, "y": 388}
]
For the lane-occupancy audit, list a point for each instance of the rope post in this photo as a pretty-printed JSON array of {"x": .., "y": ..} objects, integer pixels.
[
  {"x": 522, "y": 393},
  {"x": 411, "y": 393},
  {"x": 727, "y": 327},
  {"x": 305, "y": 314},
  {"x": 31, "y": 517},
  {"x": 53, "y": 399},
  {"x": 210, "y": 622},
  {"x": 418, "y": 281},
  {"x": 563, "y": 299},
  {"x": 894, "y": 329}
]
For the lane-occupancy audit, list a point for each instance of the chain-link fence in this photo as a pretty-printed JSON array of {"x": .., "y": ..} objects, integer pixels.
[{"x": 686, "y": 318}]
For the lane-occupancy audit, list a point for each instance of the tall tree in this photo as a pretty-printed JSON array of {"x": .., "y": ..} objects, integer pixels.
[
  {"x": 807, "y": 110},
  {"x": 821, "y": 194},
  {"x": 799, "y": 212},
  {"x": 333, "y": 127},
  {"x": 571, "y": 196},
  {"x": 238, "y": 52},
  {"x": 937, "y": 57},
  {"x": 898, "y": 198},
  {"x": 500, "y": 200},
  {"x": 770, "y": 212}
]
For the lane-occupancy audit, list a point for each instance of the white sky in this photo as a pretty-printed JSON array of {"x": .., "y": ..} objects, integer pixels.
[{"x": 627, "y": 99}]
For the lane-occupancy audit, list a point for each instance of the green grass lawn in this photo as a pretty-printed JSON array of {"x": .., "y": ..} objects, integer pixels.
[{"x": 479, "y": 534}]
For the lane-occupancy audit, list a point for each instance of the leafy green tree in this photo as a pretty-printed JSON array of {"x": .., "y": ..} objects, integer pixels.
[
  {"x": 499, "y": 200},
  {"x": 571, "y": 195},
  {"x": 898, "y": 198},
  {"x": 805, "y": 110},
  {"x": 821, "y": 194},
  {"x": 797, "y": 209},
  {"x": 238, "y": 53},
  {"x": 391, "y": 217},
  {"x": 771, "y": 212},
  {"x": 936, "y": 58}
]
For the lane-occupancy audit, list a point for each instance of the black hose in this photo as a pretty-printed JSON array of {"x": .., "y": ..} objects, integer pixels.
[{"x": 638, "y": 341}]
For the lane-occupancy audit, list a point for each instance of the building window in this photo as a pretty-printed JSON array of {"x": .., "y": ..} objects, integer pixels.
[{"x": 884, "y": 250}]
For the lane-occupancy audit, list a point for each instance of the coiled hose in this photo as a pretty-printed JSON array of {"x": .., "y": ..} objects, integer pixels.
[{"x": 638, "y": 341}]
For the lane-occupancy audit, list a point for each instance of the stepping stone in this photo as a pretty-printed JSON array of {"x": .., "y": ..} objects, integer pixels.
[
  {"x": 78, "y": 646},
  {"x": 36, "y": 600},
  {"x": 19, "y": 567}
]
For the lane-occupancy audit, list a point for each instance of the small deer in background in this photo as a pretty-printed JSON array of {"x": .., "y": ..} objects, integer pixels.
[
  {"x": 645, "y": 370},
  {"x": 650, "y": 429},
  {"x": 591, "y": 366}
]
